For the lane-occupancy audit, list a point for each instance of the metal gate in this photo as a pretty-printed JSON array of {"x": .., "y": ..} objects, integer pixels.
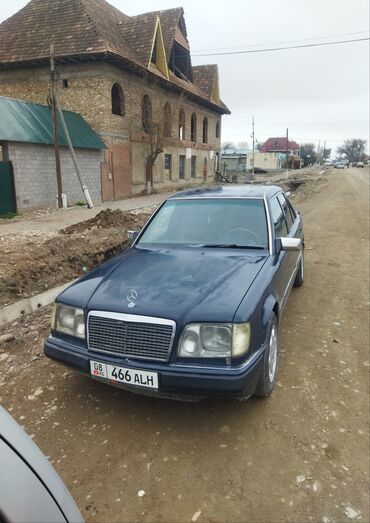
[{"x": 7, "y": 193}]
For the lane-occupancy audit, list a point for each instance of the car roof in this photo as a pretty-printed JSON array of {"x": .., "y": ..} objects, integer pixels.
[{"x": 228, "y": 191}]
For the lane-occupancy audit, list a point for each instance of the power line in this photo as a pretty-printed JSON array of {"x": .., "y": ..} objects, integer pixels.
[
  {"x": 284, "y": 48},
  {"x": 279, "y": 43}
]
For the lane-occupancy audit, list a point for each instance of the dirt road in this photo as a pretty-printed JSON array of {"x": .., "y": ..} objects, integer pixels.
[{"x": 300, "y": 456}]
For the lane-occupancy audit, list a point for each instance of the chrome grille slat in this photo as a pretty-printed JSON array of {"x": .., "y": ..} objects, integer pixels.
[{"x": 130, "y": 336}]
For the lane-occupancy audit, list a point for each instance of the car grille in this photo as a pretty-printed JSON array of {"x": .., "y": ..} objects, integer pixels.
[{"x": 129, "y": 338}]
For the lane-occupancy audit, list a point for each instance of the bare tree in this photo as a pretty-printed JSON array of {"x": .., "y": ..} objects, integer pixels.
[
  {"x": 308, "y": 154},
  {"x": 228, "y": 145},
  {"x": 353, "y": 149}
]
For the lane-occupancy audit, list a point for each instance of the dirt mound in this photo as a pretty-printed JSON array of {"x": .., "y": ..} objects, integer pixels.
[
  {"x": 106, "y": 219},
  {"x": 32, "y": 265}
]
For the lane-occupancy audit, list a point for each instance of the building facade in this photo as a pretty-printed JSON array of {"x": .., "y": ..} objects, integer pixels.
[{"x": 131, "y": 79}]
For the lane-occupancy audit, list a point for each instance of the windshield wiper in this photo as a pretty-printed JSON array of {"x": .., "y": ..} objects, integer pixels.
[{"x": 229, "y": 246}]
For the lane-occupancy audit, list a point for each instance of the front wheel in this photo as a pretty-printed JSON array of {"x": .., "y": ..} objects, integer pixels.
[
  {"x": 299, "y": 279},
  {"x": 267, "y": 379}
]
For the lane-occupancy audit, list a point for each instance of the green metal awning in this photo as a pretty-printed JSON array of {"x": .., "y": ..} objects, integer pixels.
[{"x": 32, "y": 123}]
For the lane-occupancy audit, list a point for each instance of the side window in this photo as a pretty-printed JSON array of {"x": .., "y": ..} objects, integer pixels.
[
  {"x": 292, "y": 211},
  {"x": 286, "y": 210},
  {"x": 278, "y": 218}
]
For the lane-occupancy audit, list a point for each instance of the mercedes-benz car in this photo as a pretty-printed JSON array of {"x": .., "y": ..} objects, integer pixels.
[{"x": 193, "y": 307}]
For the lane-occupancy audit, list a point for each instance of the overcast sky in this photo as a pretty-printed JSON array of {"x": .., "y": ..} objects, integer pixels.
[{"x": 319, "y": 93}]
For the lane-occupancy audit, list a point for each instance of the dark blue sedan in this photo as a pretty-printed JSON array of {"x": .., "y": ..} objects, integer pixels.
[{"x": 193, "y": 307}]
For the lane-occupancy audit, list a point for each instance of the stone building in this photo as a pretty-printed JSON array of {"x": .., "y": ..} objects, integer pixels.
[{"x": 130, "y": 78}]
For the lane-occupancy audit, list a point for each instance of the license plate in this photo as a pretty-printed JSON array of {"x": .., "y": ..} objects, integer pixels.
[{"x": 138, "y": 378}]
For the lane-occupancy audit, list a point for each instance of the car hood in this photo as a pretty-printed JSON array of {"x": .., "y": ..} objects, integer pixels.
[{"x": 182, "y": 284}]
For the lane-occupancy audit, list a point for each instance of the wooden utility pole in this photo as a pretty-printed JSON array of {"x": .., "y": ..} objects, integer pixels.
[
  {"x": 55, "y": 128},
  {"x": 318, "y": 153},
  {"x": 287, "y": 148},
  {"x": 253, "y": 146},
  {"x": 74, "y": 159}
]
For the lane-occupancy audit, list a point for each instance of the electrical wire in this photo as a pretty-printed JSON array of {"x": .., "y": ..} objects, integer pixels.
[
  {"x": 279, "y": 43},
  {"x": 284, "y": 48}
]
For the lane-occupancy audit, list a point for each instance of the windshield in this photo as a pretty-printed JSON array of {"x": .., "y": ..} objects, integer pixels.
[{"x": 209, "y": 223}]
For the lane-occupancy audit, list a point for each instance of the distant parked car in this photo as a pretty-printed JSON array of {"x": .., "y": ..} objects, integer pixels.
[
  {"x": 360, "y": 164},
  {"x": 339, "y": 165},
  {"x": 30, "y": 489},
  {"x": 259, "y": 170}
]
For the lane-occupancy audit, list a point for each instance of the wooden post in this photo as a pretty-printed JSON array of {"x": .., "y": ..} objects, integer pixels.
[{"x": 55, "y": 129}]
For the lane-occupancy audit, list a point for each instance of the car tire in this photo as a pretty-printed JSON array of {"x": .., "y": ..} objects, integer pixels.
[
  {"x": 299, "y": 279},
  {"x": 267, "y": 378}
]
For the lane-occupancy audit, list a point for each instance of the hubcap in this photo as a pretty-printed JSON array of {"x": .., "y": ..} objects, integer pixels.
[{"x": 273, "y": 347}]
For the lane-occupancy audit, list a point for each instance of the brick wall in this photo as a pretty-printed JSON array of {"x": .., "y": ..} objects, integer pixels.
[
  {"x": 89, "y": 93},
  {"x": 35, "y": 178}
]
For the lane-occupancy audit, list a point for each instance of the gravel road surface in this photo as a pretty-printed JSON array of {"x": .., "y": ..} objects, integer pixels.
[{"x": 300, "y": 456}]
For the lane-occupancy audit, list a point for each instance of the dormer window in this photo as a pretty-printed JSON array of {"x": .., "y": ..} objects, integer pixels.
[{"x": 180, "y": 63}]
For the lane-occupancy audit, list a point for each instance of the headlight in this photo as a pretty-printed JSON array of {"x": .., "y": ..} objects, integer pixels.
[
  {"x": 68, "y": 320},
  {"x": 215, "y": 340}
]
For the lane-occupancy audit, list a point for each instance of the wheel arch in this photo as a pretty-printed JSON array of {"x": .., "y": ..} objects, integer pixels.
[{"x": 270, "y": 305}]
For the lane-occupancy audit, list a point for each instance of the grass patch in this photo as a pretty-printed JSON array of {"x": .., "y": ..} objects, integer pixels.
[{"x": 9, "y": 216}]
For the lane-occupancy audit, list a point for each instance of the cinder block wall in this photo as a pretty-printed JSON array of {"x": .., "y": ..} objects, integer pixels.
[{"x": 35, "y": 175}]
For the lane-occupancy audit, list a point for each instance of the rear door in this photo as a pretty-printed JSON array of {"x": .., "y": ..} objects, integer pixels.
[
  {"x": 294, "y": 230},
  {"x": 283, "y": 272}
]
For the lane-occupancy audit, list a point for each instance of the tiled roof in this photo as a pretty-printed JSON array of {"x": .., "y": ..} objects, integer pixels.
[
  {"x": 170, "y": 19},
  {"x": 83, "y": 28},
  {"x": 279, "y": 144},
  {"x": 204, "y": 77},
  {"x": 138, "y": 31}
]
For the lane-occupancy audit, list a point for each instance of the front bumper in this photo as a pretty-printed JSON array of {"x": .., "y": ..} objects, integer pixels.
[{"x": 175, "y": 380}]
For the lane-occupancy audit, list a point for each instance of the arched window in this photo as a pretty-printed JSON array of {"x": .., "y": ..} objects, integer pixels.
[
  {"x": 218, "y": 127},
  {"x": 118, "y": 100},
  {"x": 146, "y": 113},
  {"x": 193, "y": 128},
  {"x": 205, "y": 130},
  {"x": 167, "y": 120},
  {"x": 181, "y": 133}
]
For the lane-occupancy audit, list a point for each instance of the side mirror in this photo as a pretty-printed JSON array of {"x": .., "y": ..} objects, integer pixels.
[
  {"x": 132, "y": 235},
  {"x": 288, "y": 194},
  {"x": 291, "y": 244}
]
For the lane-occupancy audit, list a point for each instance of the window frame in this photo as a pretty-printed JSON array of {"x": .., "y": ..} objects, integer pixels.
[
  {"x": 205, "y": 130},
  {"x": 182, "y": 157},
  {"x": 193, "y": 127},
  {"x": 284, "y": 205},
  {"x": 182, "y": 125},
  {"x": 146, "y": 113},
  {"x": 117, "y": 100},
  {"x": 167, "y": 120},
  {"x": 275, "y": 197}
]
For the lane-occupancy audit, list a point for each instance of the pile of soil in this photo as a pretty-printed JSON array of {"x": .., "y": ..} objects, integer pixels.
[
  {"x": 34, "y": 264},
  {"x": 107, "y": 219}
]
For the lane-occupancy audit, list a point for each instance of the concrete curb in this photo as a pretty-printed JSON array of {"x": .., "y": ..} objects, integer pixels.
[{"x": 20, "y": 308}]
